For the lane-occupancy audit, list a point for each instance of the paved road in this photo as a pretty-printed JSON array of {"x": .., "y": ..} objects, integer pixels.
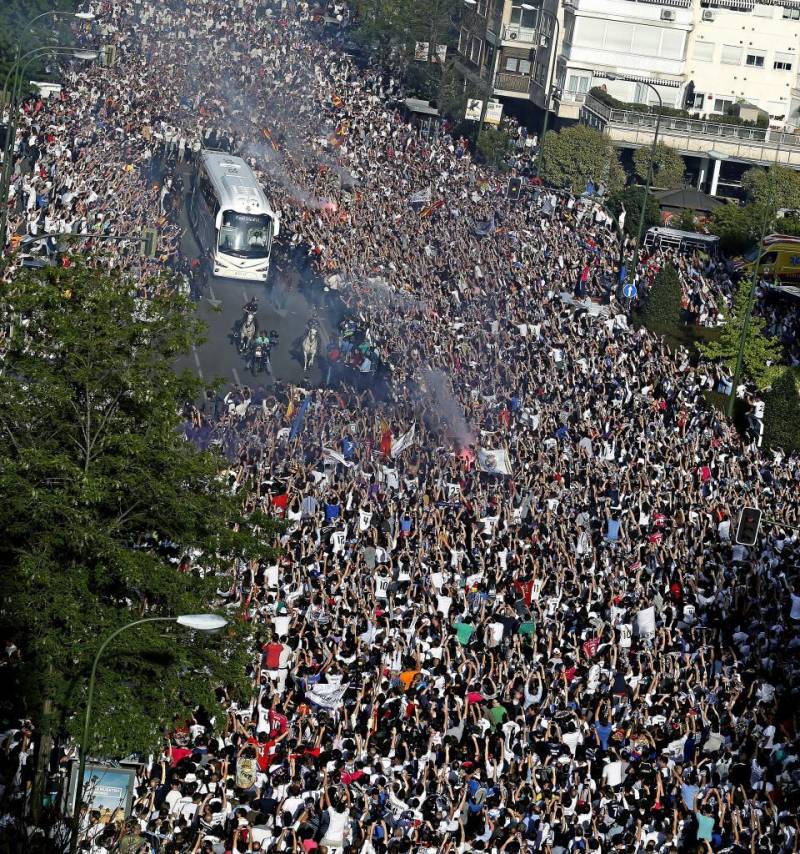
[{"x": 284, "y": 304}]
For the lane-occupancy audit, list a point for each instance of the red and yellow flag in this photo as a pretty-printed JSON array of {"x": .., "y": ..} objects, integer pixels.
[{"x": 268, "y": 136}]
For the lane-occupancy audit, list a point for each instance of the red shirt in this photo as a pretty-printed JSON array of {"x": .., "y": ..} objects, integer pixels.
[{"x": 263, "y": 752}]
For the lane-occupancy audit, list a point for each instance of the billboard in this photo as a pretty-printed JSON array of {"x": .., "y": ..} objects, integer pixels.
[{"x": 105, "y": 789}]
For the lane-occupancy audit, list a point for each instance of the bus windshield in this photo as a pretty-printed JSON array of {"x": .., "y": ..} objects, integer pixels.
[{"x": 245, "y": 235}]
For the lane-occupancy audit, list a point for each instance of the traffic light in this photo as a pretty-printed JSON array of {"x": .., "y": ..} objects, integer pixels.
[
  {"x": 748, "y": 525},
  {"x": 149, "y": 242},
  {"x": 514, "y": 188}
]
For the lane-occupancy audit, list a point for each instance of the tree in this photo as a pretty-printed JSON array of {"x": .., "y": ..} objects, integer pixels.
[
  {"x": 494, "y": 143},
  {"x": 100, "y": 490},
  {"x": 739, "y": 227},
  {"x": 761, "y": 353},
  {"x": 782, "y": 412},
  {"x": 686, "y": 220},
  {"x": 631, "y": 199},
  {"x": 663, "y": 302},
  {"x": 577, "y": 154},
  {"x": 668, "y": 165},
  {"x": 776, "y": 187}
]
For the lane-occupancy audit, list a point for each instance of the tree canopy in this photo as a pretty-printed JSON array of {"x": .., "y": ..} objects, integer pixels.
[
  {"x": 762, "y": 354},
  {"x": 661, "y": 312},
  {"x": 782, "y": 412},
  {"x": 631, "y": 198},
  {"x": 576, "y": 154},
  {"x": 668, "y": 165},
  {"x": 776, "y": 187},
  {"x": 102, "y": 496}
]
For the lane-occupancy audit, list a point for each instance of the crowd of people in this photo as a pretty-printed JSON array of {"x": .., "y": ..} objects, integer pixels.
[{"x": 509, "y": 614}]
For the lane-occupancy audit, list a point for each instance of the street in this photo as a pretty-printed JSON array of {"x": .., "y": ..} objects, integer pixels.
[{"x": 285, "y": 304}]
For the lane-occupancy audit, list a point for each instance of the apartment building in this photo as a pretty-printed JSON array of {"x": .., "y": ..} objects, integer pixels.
[{"x": 705, "y": 55}]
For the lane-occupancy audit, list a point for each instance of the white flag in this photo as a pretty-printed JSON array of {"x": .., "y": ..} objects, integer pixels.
[
  {"x": 646, "y": 623},
  {"x": 403, "y": 442},
  {"x": 327, "y": 696},
  {"x": 423, "y": 197},
  {"x": 331, "y": 456},
  {"x": 621, "y": 219},
  {"x": 493, "y": 461}
]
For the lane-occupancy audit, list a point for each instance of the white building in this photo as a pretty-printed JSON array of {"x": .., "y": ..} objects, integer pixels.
[
  {"x": 742, "y": 51},
  {"x": 704, "y": 55}
]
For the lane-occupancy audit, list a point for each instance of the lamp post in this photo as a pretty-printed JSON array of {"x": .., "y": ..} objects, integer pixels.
[
  {"x": 547, "y": 89},
  {"x": 649, "y": 180},
  {"x": 199, "y": 622},
  {"x": 17, "y": 69}
]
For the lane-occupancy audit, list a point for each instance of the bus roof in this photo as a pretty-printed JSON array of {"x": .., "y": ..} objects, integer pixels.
[
  {"x": 677, "y": 234},
  {"x": 235, "y": 184}
]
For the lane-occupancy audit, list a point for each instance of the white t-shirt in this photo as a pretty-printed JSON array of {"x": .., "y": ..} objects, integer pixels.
[{"x": 612, "y": 773}]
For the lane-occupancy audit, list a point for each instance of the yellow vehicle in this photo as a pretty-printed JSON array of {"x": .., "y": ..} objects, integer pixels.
[{"x": 778, "y": 258}]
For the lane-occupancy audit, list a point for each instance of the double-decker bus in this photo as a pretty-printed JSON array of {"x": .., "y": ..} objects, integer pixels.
[{"x": 231, "y": 217}]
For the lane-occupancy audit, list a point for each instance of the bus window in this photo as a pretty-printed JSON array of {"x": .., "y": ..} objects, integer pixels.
[
  {"x": 769, "y": 258},
  {"x": 245, "y": 235}
]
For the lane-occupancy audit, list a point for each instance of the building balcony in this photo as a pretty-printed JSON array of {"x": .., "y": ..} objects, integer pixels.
[
  {"x": 512, "y": 83},
  {"x": 514, "y": 34}
]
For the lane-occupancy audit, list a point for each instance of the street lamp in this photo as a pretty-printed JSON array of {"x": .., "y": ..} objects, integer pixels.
[
  {"x": 548, "y": 76},
  {"x": 649, "y": 180},
  {"x": 198, "y": 622}
]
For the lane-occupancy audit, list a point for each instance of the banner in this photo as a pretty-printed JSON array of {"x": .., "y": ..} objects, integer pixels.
[
  {"x": 494, "y": 112},
  {"x": 297, "y": 424},
  {"x": 440, "y": 56},
  {"x": 646, "y": 623},
  {"x": 421, "y": 51},
  {"x": 423, "y": 197},
  {"x": 482, "y": 228},
  {"x": 331, "y": 456},
  {"x": 474, "y": 108},
  {"x": 327, "y": 696},
  {"x": 493, "y": 461},
  {"x": 429, "y": 209},
  {"x": 403, "y": 442}
]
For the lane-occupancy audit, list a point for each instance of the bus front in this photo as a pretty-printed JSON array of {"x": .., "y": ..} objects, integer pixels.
[{"x": 244, "y": 243}]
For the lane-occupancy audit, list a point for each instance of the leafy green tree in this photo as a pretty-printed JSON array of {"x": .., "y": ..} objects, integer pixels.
[
  {"x": 494, "y": 143},
  {"x": 761, "y": 353},
  {"x": 685, "y": 220},
  {"x": 631, "y": 199},
  {"x": 662, "y": 306},
  {"x": 776, "y": 187},
  {"x": 576, "y": 154},
  {"x": 100, "y": 490},
  {"x": 668, "y": 165},
  {"x": 782, "y": 412},
  {"x": 738, "y": 227}
]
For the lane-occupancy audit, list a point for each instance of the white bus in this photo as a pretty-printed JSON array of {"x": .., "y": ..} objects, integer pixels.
[{"x": 231, "y": 216}]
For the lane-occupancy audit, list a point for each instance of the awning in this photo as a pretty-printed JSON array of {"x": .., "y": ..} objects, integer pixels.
[
  {"x": 633, "y": 78},
  {"x": 415, "y": 105}
]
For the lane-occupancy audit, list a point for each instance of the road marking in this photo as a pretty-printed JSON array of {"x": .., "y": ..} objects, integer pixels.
[
  {"x": 211, "y": 291},
  {"x": 236, "y": 377}
]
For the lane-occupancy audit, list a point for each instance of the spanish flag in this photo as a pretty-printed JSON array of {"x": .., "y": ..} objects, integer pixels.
[
  {"x": 268, "y": 136},
  {"x": 290, "y": 408},
  {"x": 343, "y": 128},
  {"x": 429, "y": 209}
]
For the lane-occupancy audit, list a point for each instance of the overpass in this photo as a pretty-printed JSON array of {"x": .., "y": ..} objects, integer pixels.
[{"x": 710, "y": 141}]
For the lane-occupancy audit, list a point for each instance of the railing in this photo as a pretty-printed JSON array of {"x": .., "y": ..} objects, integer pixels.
[
  {"x": 574, "y": 97},
  {"x": 512, "y": 82},
  {"x": 692, "y": 127}
]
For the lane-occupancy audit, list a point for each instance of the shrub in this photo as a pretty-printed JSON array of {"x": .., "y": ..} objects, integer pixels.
[
  {"x": 782, "y": 412},
  {"x": 663, "y": 302}
]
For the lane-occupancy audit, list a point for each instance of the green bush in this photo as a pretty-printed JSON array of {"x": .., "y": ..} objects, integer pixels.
[
  {"x": 631, "y": 199},
  {"x": 662, "y": 305},
  {"x": 782, "y": 412}
]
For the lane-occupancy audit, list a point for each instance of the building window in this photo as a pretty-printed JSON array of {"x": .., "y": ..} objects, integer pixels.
[
  {"x": 699, "y": 101},
  {"x": 577, "y": 84},
  {"x": 704, "y": 51},
  {"x": 791, "y": 14},
  {"x": 482, "y": 8},
  {"x": 755, "y": 60},
  {"x": 463, "y": 41},
  {"x": 783, "y": 62},
  {"x": 517, "y": 65},
  {"x": 731, "y": 54},
  {"x": 721, "y": 105},
  {"x": 475, "y": 51},
  {"x": 524, "y": 18}
]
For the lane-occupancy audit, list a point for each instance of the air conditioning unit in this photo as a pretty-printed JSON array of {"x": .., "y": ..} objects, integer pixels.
[
  {"x": 667, "y": 14},
  {"x": 708, "y": 15}
]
